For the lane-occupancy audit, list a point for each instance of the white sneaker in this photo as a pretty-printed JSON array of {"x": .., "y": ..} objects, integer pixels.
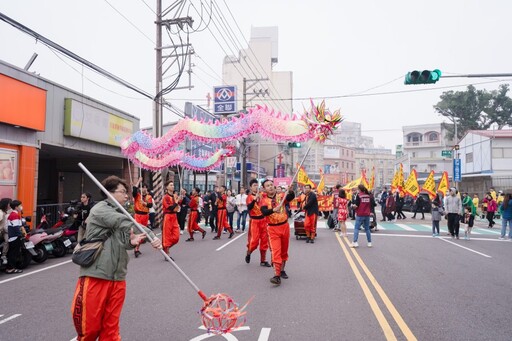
[
  {"x": 501, "y": 238},
  {"x": 354, "y": 244},
  {"x": 181, "y": 232},
  {"x": 370, "y": 244}
]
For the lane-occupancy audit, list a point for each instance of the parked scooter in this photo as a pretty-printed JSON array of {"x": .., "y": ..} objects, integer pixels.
[{"x": 47, "y": 240}]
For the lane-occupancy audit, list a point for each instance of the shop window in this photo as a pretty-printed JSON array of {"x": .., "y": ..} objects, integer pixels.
[
  {"x": 8, "y": 173},
  {"x": 469, "y": 157}
]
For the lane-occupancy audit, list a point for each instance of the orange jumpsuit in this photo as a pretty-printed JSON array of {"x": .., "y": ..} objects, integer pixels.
[
  {"x": 257, "y": 228},
  {"x": 192, "y": 219},
  {"x": 278, "y": 228},
  {"x": 141, "y": 211},
  {"x": 310, "y": 220},
  {"x": 222, "y": 215},
  {"x": 171, "y": 229}
]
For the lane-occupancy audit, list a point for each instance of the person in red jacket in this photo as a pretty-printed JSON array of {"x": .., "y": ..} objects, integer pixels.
[
  {"x": 222, "y": 214},
  {"x": 194, "y": 214},
  {"x": 171, "y": 229},
  {"x": 273, "y": 208},
  {"x": 142, "y": 202},
  {"x": 310, "y": 207},
  {"x": 363, "y": 209},
  {"x": 257, "y": 226}
]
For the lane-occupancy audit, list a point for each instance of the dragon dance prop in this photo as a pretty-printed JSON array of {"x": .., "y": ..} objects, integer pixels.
[
  {"x": 220, "y": 314},
  {"x": 158, "y": 153}
]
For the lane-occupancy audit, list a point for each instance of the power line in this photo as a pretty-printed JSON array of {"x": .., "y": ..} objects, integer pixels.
[
  {"x": 151, "y": 9},
  {"x": 131, "y": 23}
]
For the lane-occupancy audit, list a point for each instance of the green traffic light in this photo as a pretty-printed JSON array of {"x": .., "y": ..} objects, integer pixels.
[
  {"x": 294, "y": 145},
  {"x": 423, "y": 77}
]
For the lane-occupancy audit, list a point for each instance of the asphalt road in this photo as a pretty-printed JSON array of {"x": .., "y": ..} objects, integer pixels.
[{"x": 408, "y": 286}]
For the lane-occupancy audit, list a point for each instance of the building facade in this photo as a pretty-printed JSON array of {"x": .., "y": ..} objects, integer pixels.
[{"x": 379, "y": 159}]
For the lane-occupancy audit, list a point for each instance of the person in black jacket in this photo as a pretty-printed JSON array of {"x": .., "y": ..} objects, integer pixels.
[
  {"x": 399, "y": 202},
  {"x": 182, "y": 214},
  {"x": 310, "y": 207},
  {"x": 420, "y": 203},
  {"x": 86, "y": 203}
]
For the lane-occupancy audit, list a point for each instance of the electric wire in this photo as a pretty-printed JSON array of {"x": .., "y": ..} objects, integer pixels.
[{"x": 130, "y": 22}]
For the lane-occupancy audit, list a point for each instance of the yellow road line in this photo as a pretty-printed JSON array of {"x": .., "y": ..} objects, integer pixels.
[
  {"x": 396, "y": 315},
  {"x": 386, "y": 328}
]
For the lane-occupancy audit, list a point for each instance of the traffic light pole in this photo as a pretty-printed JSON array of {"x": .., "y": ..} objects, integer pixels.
[{"x": 480, "y": 75}]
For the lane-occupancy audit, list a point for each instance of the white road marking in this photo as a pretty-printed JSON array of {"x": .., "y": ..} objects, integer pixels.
[
  {"x": 34, "y": 272},
  {"x": 427, "y": 236},
  {"x": 488, "y": 230},
  {"x": 232, "y": 240},
  {"x": 12, "y": 317},
  {"x": 405, "y": 227},
  {"x": 466, "y": 248},
  {"x": 264, "y": 334},
  {"x": 228, "y": 336}
]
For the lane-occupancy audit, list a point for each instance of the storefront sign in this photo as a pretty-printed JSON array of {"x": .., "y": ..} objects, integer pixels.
[{"x": 89, "y": 123}]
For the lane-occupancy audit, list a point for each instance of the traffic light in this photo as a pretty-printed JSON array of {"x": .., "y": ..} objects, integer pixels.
[
  {"x": 294, "y": 145},
  {"x": 423, "y": 77}
]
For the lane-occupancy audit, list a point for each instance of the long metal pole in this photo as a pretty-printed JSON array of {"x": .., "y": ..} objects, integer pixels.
[
  {"x": 302, "y": 162},
  {"x": 139, "y": 227}
]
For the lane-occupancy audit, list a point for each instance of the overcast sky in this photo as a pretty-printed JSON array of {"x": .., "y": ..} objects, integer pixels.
[{"x": 333, "y": 48}]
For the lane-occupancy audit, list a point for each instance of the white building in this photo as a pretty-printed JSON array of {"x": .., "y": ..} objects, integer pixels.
[
  {"x": 486, "y": 161},
  {"x": 380, "y": 159},
  {"x": 253, "y": 71},
  {"x": 423, "y": 147}
]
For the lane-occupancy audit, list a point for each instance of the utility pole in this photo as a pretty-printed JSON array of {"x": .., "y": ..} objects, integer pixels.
[
  {"x": 243, "y": 147},
  {"x": 159, "y": 178}
]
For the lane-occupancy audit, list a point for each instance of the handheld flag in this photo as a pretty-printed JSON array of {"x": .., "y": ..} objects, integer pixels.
[
  {"x": 411, "y": 185},
  {"x": 430, "y": 185},
  {"x": 444, "y": 184},
  {"x": 371, "y": 184},
  {"x": 303, "y": 178},
  {"x": 321, "y": 184}
]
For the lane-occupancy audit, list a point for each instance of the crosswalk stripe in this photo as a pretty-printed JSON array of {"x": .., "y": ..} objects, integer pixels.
[
  {"x": 9, "y": 318},
  {"x": 405, "y": 227}
]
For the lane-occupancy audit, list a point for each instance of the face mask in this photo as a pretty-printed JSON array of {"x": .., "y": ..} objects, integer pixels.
[{"x": 21, "y": 208}]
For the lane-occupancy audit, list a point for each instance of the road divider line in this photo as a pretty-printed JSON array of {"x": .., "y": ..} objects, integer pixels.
[
  {"x": 389, "y": 305},
  {"x": 34, "y": 272},
  {"x": 264, "y": 334},
  {"x": 405, "y": 227},
  {"x": 466, "y": 248},
  {"x": 231, "y": 241},
  {"x": 383, "y": 322},
  {"x": 12, "y": 317}
]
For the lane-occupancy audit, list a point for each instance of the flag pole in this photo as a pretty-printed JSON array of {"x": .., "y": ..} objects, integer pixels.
[{"x": 301, "y": 163}]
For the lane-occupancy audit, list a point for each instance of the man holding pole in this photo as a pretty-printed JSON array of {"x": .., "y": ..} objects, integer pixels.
[
  {"x": 257, "y": 225},
  {"x": 310, "y": 207}
]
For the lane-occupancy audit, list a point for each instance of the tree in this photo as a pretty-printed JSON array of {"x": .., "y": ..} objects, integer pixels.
[
  {"x": 501, "y": 107},
  {"x": 468, "y": 109}
]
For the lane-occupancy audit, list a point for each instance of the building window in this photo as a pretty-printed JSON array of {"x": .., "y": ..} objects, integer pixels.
[
  {"x": 469, "y": 157},
  {"x": 432, "y": 167},
  {"x": 413, "y": 154},
  {"x": 414, "y": 137},
  {"x": 432, "y": 136}
]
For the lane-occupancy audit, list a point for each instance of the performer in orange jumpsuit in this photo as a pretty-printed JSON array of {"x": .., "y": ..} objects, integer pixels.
[
  {"x": 171, "y": 205},
  {"x": 142, "y": 202},
  {"x": 278, "y": 229},
  {"x": 310, "y": 207},
  {"x": 222, "y": 213},
  {"x": 194, "y": 214},
  {"x": 257, "y": 226}
]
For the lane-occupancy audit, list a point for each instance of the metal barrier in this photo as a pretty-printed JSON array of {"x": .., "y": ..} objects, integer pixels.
[{"x": 52, "y": 212}]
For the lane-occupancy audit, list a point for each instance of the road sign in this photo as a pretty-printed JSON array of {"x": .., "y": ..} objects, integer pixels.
[
  {"x": 446, "y": 153},
  {"x": 457, "y": 176},
  {"x": 224, "y": 100}
]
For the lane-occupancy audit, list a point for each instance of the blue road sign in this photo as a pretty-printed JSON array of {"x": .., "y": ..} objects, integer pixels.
[
  {"x": 224, "y": 99},
  {"x": 457, "y": 176}
]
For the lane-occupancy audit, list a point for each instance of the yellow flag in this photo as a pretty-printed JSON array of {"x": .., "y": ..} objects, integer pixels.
[
  {"x": 352, "y": 184},
  {"x": 303, "y": 178},
  {"x": 444, "y": 184},
  {"x": 371, "y": 184},
  {"x": 430, "y": 185},
  {"x": 398, "y": 179},
  {"x": 364, "y": 181},
  {"x": 321, "y": 184},
  {"x": 411, "y": 185}
]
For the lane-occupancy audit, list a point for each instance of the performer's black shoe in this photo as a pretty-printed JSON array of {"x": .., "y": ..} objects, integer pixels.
[
  {"x": 204, "y": 234},
  {"x": 265, "y": 264},
  {"x": 231, "y": 235},
  {"x": 312, "y": 241},
  {"x": 216, "y": 238},
  {"x": 137, "y": 253},
  {"x": 283, "y": 274},
  {"x": 248, "y": 258},
  {"x": 307, "y": 240},
  {"x": 275, "y": 280},
  {"x": 190, "y": 240}
]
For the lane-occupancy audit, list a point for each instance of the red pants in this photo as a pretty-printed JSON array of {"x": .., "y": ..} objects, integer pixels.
[
  {"x": 96, "y": 308},
  {"x": 192, "y": 224},
  {"x": 258, "y": 236},
  {"x": 222, "y": 222},
  {"x": 279, "y": 238},
  {"x": 170, "y": 231},
  {"x": 310, "y": 225},
  {"x": 142, "y": 219}
]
